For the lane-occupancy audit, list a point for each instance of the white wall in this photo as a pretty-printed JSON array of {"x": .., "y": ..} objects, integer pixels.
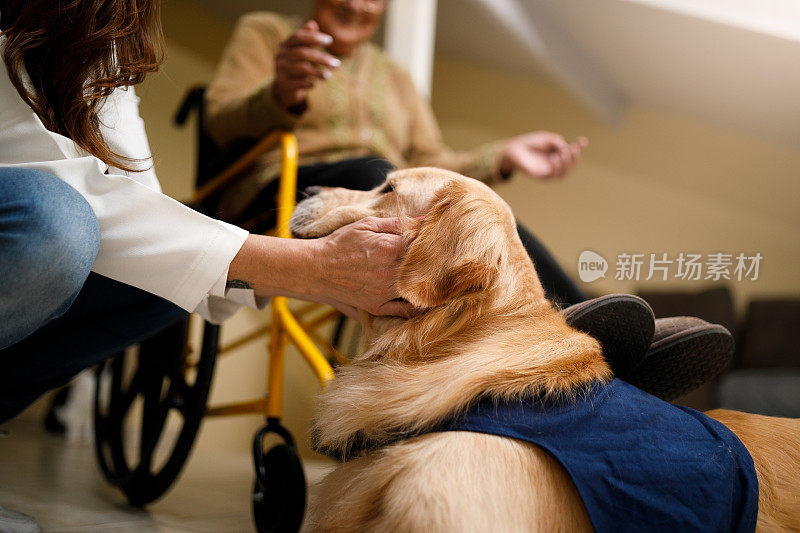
[{"x": 660, "y": 182}]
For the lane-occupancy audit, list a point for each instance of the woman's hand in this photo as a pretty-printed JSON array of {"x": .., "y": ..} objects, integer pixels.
[
  {"x": 359, "y": 265},
  {"x": 300, "y": 63},
  {"x": 541, "y": 154},
  {"x": 355, "y": 267}
]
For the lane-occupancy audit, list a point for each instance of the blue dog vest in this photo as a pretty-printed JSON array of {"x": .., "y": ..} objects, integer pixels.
[{"x": 639, "y": 464}]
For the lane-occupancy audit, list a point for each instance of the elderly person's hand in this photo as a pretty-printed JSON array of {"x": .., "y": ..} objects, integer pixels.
[
  {"x": 299, "y": 63},
  {"x": 541, "y": 154},
  {"x": 355, "y": 267}
]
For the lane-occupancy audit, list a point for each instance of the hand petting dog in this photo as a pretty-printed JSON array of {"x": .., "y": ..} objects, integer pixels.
[{"x": 365, "y": 256}]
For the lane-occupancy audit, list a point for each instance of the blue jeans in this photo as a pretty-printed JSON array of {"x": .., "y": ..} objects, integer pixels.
[{"x": 56, "y": 317}]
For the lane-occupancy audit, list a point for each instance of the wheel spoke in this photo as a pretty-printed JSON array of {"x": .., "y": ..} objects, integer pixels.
[
  {"x": 180, "y": 396},
  {"x": 124, "y": 400},
  {"x": 114, "y": 367},
  {"x": 154, "y": 415}
]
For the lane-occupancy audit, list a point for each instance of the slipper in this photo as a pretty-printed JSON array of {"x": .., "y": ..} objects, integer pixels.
[
  {"x": 686, "y": 352},
  {"x": 623, "y": 324}
]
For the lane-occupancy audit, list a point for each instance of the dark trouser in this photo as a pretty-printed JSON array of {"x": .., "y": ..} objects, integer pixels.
[
  {"x": 369, "y": 172},
  {"x": 558, "y": 286},
  {"x": 358, "y": 174},
  {"x": 105, "y": 318},
  {"x": 57, "y": 318}
]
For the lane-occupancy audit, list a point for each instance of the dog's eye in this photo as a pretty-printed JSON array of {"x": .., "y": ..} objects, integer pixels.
[{"x": 386, "y": 188}]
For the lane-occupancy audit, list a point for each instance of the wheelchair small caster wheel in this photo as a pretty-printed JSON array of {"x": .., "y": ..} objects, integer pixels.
[{"x": 279, "y": 491}]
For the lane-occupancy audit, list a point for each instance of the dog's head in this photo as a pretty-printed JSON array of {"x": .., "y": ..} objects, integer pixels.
[
  {"x": 462, "y": 241},
  {"x": 486, "y": 329}
]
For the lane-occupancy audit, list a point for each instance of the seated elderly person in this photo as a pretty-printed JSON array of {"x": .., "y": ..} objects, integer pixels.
[{"x": 356, "y": 115}]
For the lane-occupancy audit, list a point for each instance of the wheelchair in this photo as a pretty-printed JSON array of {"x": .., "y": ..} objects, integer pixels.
[{"x": 167, "y": 380}]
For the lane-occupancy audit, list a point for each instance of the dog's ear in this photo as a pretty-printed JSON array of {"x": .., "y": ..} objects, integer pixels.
[{"x": 457, "y": 248}]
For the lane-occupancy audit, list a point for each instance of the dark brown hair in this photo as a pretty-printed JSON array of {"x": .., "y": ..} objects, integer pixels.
[{"x": 76, "y": 52}]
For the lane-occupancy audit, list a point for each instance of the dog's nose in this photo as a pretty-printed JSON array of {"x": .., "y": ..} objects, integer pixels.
[{"x": 312, "y": 190}]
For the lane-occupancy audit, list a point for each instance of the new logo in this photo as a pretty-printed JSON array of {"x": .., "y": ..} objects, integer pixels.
[{"x": 591, "y": 266}]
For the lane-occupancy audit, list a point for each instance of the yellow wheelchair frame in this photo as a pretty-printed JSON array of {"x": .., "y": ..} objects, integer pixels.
[
  {"x": 285, "y": 326},
  {"x": 279, "y": 493}
]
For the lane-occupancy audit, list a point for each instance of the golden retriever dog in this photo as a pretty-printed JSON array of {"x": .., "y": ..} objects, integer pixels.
[{"x": 485, "y": 329}]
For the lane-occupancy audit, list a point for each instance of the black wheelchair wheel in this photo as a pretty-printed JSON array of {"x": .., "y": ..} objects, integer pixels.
[
  {"x": 279, "y": 491},
  {"x": 171, "y": 399}
]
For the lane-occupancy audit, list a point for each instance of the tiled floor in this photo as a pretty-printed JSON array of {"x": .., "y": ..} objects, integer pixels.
[{"x": 61, "y": 486}]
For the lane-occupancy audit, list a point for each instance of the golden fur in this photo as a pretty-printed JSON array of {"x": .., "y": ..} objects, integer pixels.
[{"x": 485, "y": 329}]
